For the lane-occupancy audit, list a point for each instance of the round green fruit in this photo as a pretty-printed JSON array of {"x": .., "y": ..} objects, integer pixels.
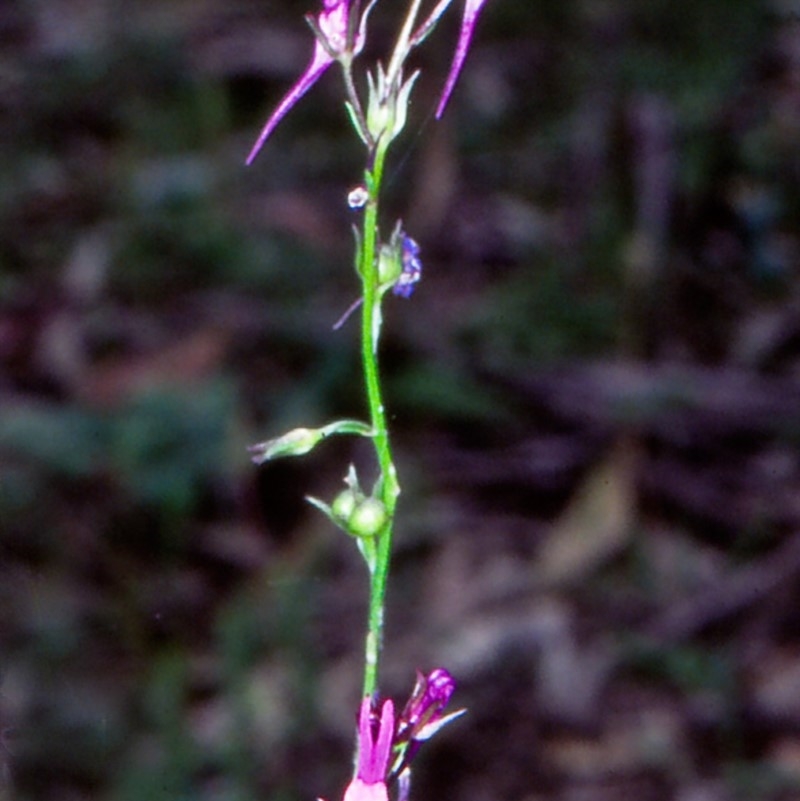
[
  {"x": 344, "y": 505},
  {"x": 367, "y": 519}
]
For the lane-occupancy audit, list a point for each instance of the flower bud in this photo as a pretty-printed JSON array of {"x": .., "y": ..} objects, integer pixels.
[
  {"x": 294, "y": 443},
  {"x": 367, "y": 519},
  {"x": 389, "y": 265},
  {"x": 357, "y": 198},
  {"x": 302, "y": 440},
  {"x": 387, "y": 106},
  {"x": 344, "y": 505}
]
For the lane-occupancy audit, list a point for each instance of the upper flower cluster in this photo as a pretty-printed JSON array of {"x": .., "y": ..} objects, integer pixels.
[
  {"x": 331, "y": 27},
  {"x": 333, "y": 30}
]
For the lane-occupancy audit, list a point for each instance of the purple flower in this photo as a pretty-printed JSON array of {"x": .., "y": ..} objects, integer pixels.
[
  {"x": 423, "y": 715},
  {"x": 380, "y": 741},
  {"x": 332, "y": 24},
  {"x": 425, "y": 706},
  {"x": 411, "y": 267},
  {"x": 471, "y": 10}
]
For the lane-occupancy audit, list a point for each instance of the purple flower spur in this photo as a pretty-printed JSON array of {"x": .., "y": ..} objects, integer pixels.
[
  {"x": 472, "y": 9},
  {"x": 331, "y": 26}
]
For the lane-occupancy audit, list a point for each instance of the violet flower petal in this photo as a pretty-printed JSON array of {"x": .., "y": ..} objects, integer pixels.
[
  {"x": 441, "y": 686},
  {"x": 471, "y": 11},
  {"x": 331, "y": 24},
  {"x": 319, "y": 63}
]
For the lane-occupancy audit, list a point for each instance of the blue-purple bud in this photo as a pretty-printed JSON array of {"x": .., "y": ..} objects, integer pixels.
[{"x": 411, "y": 270}]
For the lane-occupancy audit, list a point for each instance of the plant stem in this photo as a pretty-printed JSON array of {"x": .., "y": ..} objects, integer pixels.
[{"x": 387, "y": 486}]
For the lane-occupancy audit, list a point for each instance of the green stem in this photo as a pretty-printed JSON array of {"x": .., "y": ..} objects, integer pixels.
[{"x": 388, "y": 486}]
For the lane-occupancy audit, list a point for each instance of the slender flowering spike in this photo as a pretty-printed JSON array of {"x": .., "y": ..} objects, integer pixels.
[
  {"x": 471, "y": 11},
  {"x": 332, "y": 24}
]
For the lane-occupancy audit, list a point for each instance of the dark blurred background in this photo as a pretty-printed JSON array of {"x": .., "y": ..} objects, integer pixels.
[{"x": 595, "y": 394}]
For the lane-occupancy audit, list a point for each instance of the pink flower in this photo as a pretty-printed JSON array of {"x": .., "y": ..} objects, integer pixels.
[
  {"x": 369, "y": 783},
  {"x": 471, "y": 11},
  {"x": 333, "y": 22}
]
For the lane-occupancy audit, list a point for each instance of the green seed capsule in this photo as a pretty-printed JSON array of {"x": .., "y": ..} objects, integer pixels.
[
  {"x": 344, "y": 505},
  {"x": 367, "y": 519},
  {"x": 389, "y": 265}
]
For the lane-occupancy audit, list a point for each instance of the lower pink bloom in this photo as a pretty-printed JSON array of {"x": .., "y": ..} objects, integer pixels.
[
  {"x": 369, "y": 783},
  {"x": 358, "y": 791}
]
